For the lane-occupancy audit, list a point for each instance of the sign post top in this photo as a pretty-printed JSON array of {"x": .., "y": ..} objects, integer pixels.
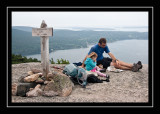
[
  {"x": 43, "y": 24},
  {"x": 42, "y": 31}
]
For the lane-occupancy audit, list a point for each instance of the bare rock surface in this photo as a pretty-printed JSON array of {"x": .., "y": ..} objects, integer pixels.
[
  {"x": 34, "y": 92},
  {"x": 60, "y": 84},
  {"x": 14, "y": 89},
  {"x": 126, "y": 86},
  {"x": 31, "y": 78}
]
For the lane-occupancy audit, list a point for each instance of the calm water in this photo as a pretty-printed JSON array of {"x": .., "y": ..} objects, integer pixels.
[{"x": 129, "y": 51}]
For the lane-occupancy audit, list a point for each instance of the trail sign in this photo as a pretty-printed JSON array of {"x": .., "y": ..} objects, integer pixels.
[{"x": 44, "y": 33}]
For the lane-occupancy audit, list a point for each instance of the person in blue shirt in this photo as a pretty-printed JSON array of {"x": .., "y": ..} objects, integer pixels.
[{"x": 102, "y": 47}]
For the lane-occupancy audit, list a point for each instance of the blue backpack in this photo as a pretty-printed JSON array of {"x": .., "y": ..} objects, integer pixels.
[{"x": 75, "y": 72}]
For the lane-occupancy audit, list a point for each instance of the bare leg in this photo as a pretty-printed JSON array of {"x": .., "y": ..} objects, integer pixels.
[
  {"x": 120, "y": 66},
  {"x": 125, "y": 64}
]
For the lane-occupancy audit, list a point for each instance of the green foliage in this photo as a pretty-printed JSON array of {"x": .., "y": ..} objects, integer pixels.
[
  {"x": 59, "y": 61},
  {"x": 52, "y": 61},
  {"x": 16, "y": 59}
]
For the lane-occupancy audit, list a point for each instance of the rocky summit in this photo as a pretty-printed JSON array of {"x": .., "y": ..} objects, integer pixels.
[{"x": 125, "y": 86}]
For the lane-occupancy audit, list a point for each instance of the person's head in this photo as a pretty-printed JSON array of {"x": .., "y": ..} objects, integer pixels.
[
  {"x": 93, "y": 56},
  {"x": 102, "y": 42}
]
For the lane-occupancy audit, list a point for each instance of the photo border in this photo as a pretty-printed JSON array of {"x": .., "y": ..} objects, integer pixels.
[{"x": 61, "y": 8}]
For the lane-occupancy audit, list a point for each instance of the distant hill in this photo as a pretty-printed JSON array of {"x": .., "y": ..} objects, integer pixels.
[
  {"x": 23, "y": 43},
  {"x": 23, "y": 28}
]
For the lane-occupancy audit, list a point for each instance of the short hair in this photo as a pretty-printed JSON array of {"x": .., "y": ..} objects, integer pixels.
[{"x": 102, "y": 40}]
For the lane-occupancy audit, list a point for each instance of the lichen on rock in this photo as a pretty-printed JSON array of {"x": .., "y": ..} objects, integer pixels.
[{"x": 60, "y": 84}]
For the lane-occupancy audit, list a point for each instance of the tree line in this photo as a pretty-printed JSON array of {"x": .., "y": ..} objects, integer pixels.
[{"x": 16, "y": 59}]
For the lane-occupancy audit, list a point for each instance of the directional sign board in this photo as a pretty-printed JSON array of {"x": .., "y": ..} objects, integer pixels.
[{"x": 42, "y": 31}]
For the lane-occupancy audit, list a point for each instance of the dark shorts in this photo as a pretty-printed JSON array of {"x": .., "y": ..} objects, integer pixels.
[{"x": 106, "y": 61}]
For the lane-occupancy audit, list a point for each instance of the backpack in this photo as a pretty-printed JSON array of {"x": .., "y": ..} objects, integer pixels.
[
  {"x": 79, "y": 76},
  {"x": 70, "y": 70},
  {"x": 76, "y": 73}
]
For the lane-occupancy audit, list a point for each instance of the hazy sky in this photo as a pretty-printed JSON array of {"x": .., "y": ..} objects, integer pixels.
[{"x": 80, "y": 19}]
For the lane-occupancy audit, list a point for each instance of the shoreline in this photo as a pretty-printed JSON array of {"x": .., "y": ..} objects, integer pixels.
[
  {"x": 84, "y": 47},
  {"x": 118, "y": 48}
]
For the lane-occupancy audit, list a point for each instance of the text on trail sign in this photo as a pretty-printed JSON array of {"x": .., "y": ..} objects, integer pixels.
[{"x": 42, "y": 31}]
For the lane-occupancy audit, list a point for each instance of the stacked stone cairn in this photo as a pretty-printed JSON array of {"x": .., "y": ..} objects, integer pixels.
[{"x": 34, "y": 84}]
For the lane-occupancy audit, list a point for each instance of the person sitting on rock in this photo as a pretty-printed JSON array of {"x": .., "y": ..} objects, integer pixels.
[
  {"x": 106, "y": 62},
  {"x": 90, "y": 65}
]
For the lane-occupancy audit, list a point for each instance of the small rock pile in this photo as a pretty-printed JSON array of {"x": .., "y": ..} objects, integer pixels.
[{"x": 35, "y": 84}]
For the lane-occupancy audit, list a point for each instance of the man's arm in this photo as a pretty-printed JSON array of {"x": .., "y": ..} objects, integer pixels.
[{"x": 113, "y": 58}]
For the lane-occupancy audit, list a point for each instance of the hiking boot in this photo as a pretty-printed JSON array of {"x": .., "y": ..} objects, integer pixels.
[
  {"x": 135, "y": 67},
  {"x": 139, "y": 66},
  {"x": 139, "y": 63}
]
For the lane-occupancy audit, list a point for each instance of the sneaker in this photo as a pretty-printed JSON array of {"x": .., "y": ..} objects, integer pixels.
[
  {"x": 107, "y": 78},
  {"x": 135, "y": 67},
  {"x": 139, "y": 63}
]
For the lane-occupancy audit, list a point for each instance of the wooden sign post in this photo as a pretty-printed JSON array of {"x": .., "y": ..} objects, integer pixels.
[{"x": 44, "y": 33}]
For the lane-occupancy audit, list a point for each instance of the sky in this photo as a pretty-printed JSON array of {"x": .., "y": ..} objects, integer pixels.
[{"x": 80, "y": 19}]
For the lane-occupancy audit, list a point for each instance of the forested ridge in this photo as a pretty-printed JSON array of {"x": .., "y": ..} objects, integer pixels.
[{"x": 23, "y": 43}]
